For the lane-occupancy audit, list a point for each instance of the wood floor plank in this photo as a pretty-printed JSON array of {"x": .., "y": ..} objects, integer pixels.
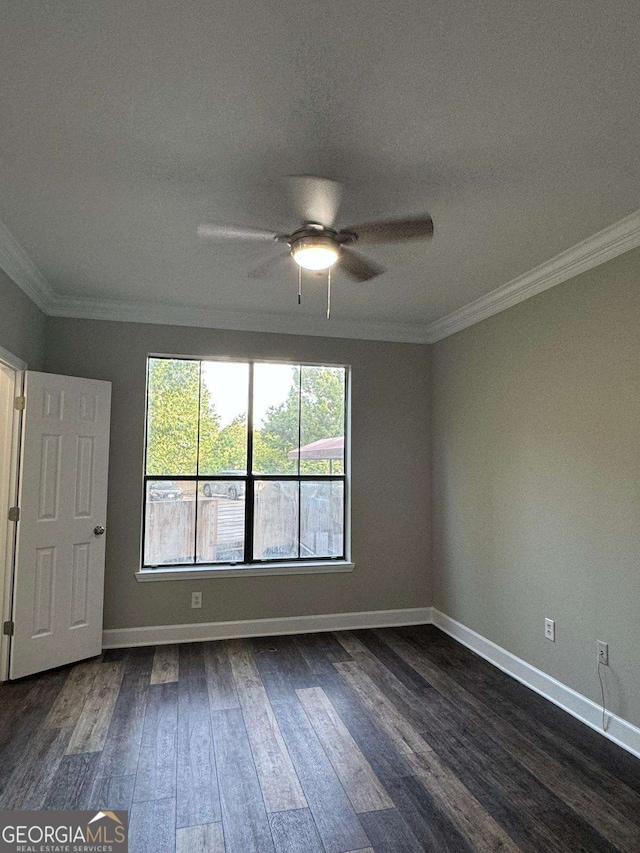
[
  {"x": 394, "y": 663},
  {"x": 121, "y": 749},
  {"x": 138, "y": 662},
  {"x": 475, "y": 823},
  {"x": 278, "y": 780},
  {"x": 70, "y": 701},
  {"x": 295, "y": 832},
  {"x": 282, "y": 668},
  {"x": 198, "y": 800},
  {"x": 390, "y": 720},
  {"x": 567, "y": 786},
  {"x": 152, "y": 827},
  {"x": 72, "y": 786},
  {"x": 327, "y": 644},
  {"x": 244, "y": 817},
  {"x": 114, "y": 655},
  {"x": 112, "y": 793},
  {"x": 389, "y": 833},
  {"x": 24, "y": 707},
  {"x": 272, "y": 673},
  {"x": 379, "y": 750},
  {"x": 350, "y": 642},
  {"x": 432, "y": 826},
  {"x": 156, "y": 773},
  {"x": 91, "y": 729},
  {"x": 29, "y": 784},
  {"x": 418, "y": 707},
  {"x": 19, "y": 699},
  {"x": 205, "y": 838},
  {"x": 191, "y": 660},
  {"x": 334, "y": 816},
  {"x": 223, "y": 695},
  {"x": 363, "y": 787},
  {"x": 165, "y": 664}
]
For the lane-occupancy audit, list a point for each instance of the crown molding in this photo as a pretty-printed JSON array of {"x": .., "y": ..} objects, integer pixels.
[
  {"x": 190, "y": 315},
  {"x": 595, "y": 250},
  {"x": 21, "y": 269}
]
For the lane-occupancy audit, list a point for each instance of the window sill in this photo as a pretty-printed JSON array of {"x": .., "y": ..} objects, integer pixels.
[{"x": 310, "y": 568}]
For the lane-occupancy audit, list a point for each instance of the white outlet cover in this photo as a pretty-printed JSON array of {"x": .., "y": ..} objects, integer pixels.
[
  {"x": 550, "y": 629},
  {"x": 603, "y": 653}
]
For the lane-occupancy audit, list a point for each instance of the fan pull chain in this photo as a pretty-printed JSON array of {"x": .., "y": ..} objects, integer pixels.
[
  {"x": 299, "y": 285},
  {"x": 328, "y": 293}
]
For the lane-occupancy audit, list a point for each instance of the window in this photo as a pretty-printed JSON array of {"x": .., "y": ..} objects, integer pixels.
[{"x": 244, "y": 463}]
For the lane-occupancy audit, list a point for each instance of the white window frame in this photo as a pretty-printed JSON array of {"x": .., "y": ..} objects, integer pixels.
[{"x": 295, "y": 566}]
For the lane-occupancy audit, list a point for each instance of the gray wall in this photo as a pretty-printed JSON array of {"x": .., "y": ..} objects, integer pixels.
[
  {"x": 390, "y": 466},
  {"x": 22, "y": 324},
  {"x": 536, "y": 480}
]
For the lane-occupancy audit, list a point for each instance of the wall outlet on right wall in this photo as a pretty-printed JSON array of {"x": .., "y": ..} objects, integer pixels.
[
  {"x": 550, "y": 629},
  {"x": 603, "y": 653}
]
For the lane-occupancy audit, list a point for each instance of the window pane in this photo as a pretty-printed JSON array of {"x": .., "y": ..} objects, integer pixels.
[
  {"x": 172, "y": 416},
  {"x": 221, "y": 521},
  {"x": 224, "y": 399},
  {"x": 322, "y": 519},
  {"x": 169, "y": 529},
  {"x": 322, "y": 420},
  {"x": 275, "y": 418},
  {"x": 275, "y": 528}
]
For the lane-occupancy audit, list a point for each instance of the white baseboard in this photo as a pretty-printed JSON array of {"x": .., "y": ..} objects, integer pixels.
[
  {"x": 619, "y": 731},
  {"x": 155, "y": 635}
]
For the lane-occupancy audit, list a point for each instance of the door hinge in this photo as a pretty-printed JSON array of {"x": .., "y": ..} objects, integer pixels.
[
  {"x": 8, "y": 628},
  {"x": 14, "y": 513},
  {"x": 20, "y": 403}
]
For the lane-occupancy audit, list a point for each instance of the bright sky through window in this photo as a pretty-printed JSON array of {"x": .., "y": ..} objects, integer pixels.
[{"x": 226, "y": 381}]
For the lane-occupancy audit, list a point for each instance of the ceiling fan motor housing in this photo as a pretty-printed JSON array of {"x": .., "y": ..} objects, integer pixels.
[{"x": 315, "y": 247}]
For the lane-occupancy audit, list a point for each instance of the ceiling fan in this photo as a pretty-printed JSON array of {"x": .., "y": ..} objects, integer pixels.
[{"x": 317, "y": 245}]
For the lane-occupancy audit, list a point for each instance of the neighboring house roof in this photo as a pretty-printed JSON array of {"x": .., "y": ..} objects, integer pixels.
[{"x": 324, "y": 448}]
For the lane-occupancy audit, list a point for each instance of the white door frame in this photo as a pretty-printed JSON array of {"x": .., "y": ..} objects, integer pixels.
[{"x": 10, "y": 450}]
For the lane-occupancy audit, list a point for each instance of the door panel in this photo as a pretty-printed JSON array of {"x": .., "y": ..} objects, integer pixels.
[{"x": 59, "y": 571}]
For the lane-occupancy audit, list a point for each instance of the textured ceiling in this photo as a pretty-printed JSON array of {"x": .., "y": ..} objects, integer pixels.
[{"x": 124, "y": 124}]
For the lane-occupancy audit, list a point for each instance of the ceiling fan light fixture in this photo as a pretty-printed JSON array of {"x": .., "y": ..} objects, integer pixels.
[{"x": 315, "y": 253}]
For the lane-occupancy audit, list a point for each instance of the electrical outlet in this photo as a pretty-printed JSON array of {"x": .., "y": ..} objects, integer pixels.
[
  {"x": 550, "y": 629},
  {"x": 196, "y": 599},
  {"x": 603, "y": 653}
]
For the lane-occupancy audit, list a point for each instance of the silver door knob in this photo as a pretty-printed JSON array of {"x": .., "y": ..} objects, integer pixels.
[{"x": 98, "y": 530}]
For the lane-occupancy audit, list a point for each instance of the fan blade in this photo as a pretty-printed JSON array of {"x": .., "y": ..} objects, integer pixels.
[
  {"x": 315, "y": 199},
  {"x": 393, "y": 230},
  {"x": 233, "y": 232},
  {"x": 265, "y": 269},
  {"x": 358, "y": 267}
]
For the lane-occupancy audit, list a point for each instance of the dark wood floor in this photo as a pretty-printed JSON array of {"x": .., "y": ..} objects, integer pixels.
[{"x": 391, "y": 741}]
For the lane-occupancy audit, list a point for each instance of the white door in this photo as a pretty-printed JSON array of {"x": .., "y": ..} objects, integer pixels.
[
  {"x": 10, "y": 388},
  {"x": 59, "y": 569}
]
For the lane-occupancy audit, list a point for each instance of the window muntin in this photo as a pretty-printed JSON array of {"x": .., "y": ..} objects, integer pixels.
[{"x": 244, "y": 462}]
